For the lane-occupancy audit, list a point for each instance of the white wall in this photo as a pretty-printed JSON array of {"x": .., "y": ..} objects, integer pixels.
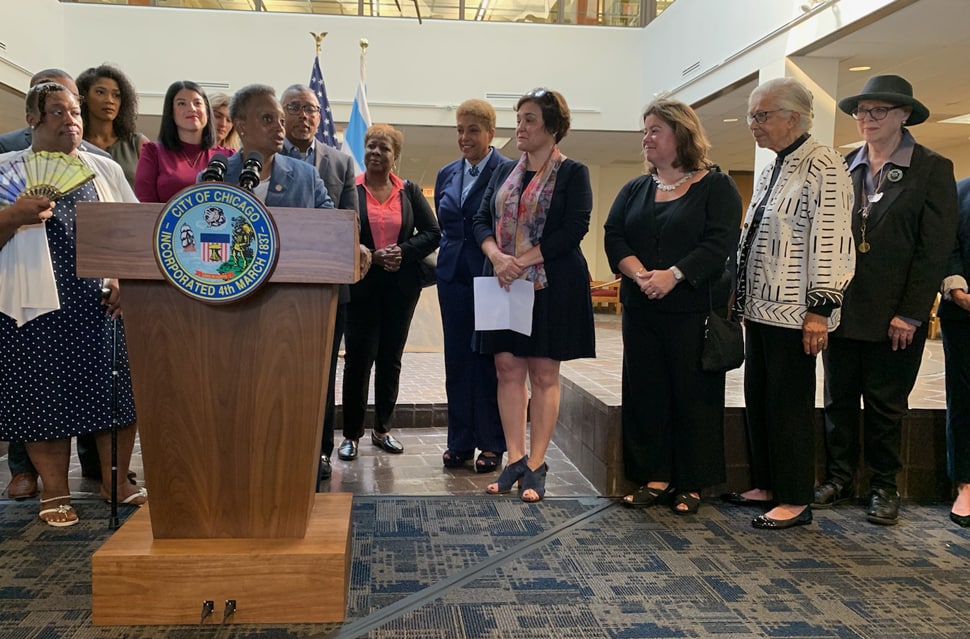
[{"x": 416, "y": 74}]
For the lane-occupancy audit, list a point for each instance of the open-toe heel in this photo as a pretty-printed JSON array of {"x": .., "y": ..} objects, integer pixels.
[
  {"x": 645, "y": 496},
  {"x": 535, "y": 480},
  {"x": 511, "y": 474}
]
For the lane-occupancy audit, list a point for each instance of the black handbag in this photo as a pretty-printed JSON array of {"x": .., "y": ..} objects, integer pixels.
[
  {"x": 723, "y": 348},
  {"x": 427, "y": 267}
]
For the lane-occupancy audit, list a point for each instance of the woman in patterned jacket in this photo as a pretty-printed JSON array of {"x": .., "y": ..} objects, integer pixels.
[{"x": 795, "y": 260}]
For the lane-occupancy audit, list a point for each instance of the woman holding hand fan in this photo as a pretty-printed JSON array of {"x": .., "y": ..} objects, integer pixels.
[{"x": 56, "y": 360}]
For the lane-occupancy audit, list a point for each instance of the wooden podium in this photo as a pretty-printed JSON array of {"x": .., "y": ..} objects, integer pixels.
[{"x": 230, "y": 402}]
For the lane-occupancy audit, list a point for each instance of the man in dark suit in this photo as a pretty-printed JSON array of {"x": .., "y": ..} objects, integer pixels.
[
  {"x": 904, "y": 227},
  {"x": 23, "y": 475},
  {"x": 302, "y": 115},
  {"x": 470, "y": 380}
]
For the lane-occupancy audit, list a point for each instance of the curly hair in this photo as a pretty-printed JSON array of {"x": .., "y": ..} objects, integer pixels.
[
  {"x": 37, "y": 97},
  {"x": 478, "y": 109},
  {"x": 692, "y": 143},
  {"x": 124, "y": 122}
]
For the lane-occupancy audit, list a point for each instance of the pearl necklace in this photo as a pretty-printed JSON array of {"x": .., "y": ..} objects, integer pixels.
[{"x": 671, "y": 187}]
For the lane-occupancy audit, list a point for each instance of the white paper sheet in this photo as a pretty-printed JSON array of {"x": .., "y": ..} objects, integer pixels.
[{"x": 497, "y": 309}]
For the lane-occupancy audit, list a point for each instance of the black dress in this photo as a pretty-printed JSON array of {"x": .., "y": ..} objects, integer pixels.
[
  {"x": 55, "y": 371},
  {"x": 562, "y": 315}
]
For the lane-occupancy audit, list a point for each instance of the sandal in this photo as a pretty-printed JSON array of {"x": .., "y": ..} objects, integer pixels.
[
  {"x": 135, "y": 499},
  {"x": 487, "y": 462},
  {"x": 645, "y": 496},
  {"x": 454, "y": 459},
  {"x": 66, "y": 511},
  {"x": 535, "y": 480},
  {"x": 511, "y": 474},
  {"x": 691, "y": 502}
]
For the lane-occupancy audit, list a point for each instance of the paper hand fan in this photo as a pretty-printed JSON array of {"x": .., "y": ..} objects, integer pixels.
[{"x": 50, "y": 174}]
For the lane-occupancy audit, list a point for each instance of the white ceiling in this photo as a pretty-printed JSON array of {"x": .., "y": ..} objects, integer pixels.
[{"x": 927, "y": 42}]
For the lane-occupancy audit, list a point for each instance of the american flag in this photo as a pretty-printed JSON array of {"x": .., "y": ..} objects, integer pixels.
[
  {"x": 215, "y": 247},
  {"x": 325, "y": 131}
]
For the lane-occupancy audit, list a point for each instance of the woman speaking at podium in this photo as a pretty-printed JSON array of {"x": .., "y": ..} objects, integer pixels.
[{"x": 56, "y": 360}]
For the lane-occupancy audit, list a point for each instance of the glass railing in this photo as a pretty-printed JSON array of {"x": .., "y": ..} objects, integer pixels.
[{"x": 612, "y": 13}]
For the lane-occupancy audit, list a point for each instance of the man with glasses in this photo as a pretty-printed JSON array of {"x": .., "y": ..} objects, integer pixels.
[{"x": 301, "y": 119}]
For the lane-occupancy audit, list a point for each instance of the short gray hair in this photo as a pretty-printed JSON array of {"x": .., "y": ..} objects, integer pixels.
[
  {"x": 792, "y": 95},
  {"x": 239, "y": 106}
]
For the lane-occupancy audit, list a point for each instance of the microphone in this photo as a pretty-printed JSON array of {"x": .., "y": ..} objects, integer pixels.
[
  {"x": 249, "y": 177},
  {"x": 216, "y": 169}
]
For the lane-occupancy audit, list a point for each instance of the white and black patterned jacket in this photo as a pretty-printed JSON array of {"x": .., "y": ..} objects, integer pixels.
[{"x": 803, "y": 253}]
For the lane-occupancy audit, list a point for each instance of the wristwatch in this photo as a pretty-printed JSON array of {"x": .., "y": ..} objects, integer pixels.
[{"x": 678, "y": 276}]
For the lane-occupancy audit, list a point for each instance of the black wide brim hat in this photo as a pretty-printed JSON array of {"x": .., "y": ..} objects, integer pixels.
[{"x": 892, "y": 89}]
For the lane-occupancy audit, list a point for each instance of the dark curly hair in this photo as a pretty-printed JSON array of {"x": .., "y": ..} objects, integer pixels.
[
  {"x": 124, "y": 122},
  {"x": 168, "y": 133}
]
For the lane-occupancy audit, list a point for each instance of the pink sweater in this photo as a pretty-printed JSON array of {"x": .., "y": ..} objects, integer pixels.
[{"x": 162, "y": 173}]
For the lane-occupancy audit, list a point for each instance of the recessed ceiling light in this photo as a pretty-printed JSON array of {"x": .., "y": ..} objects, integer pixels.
[
  {"x": 960, "y": 119},
  {"x": 859, "y": 68},
  {"x": 729, "y": 120}
]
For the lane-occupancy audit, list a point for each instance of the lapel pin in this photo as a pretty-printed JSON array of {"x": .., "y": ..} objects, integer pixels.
[{"x": 894, "y": 175}]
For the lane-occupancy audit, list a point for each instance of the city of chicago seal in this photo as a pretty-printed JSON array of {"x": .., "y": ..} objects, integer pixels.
[{"x": 216, "y": 242}]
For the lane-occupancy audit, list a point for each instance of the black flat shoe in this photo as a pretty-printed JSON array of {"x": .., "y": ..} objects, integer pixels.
[
  {"x": 387, "y": 443},
  {"x": 767, "y": 523},
  {"x": 348, "y": 450},
  {"x": 740, "y": 500},
  {"x": 326, "y": 468},
  {"x": 963, "y": 521}
]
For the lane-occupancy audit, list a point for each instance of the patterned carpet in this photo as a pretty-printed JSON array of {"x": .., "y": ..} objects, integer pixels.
[{"x": 457, "y": 568}]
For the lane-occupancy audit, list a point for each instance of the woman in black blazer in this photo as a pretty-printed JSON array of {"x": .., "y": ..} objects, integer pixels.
[
  {"x": 399, "y": 227},
  {"x": 670, "y": 233},
  {"x": 904, "y": 224},
  {"x": 532, "y": 219}
]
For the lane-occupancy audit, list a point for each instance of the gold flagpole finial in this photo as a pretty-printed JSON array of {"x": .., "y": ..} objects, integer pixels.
[
  {"x": 319, "y": 39},
  {"x": 363, "y": 45}
]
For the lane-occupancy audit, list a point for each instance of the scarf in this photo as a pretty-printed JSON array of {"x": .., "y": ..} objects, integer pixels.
[{"x": 520, "y": 215}]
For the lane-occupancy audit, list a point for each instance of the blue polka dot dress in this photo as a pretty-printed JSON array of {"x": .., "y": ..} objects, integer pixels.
[{"x": 55, "y": 371}]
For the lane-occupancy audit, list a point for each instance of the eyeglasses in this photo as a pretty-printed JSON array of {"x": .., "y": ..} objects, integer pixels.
[
  {"x": 538, "y": 93},
  {"x": 294, "y": 108},
  {"x": 876, "y": 113},
  {"x": 761, "y": 116}
]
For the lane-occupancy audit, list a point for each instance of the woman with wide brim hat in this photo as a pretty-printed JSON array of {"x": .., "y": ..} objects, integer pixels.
[{"x": 904, "y": 222}]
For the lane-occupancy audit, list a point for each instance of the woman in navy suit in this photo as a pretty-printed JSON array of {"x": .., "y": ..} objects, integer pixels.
[
  {"x": 398, "y": 226},
  {"x": 470, "y": 382},
  {"x": 534, "y": 214}
]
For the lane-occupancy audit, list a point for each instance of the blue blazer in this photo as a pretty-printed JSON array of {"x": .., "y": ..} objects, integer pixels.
[
  {"x": 960, "y": 258},
  {"x": 292, "y": 183},
  {"x": 458, "y": 244}
]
